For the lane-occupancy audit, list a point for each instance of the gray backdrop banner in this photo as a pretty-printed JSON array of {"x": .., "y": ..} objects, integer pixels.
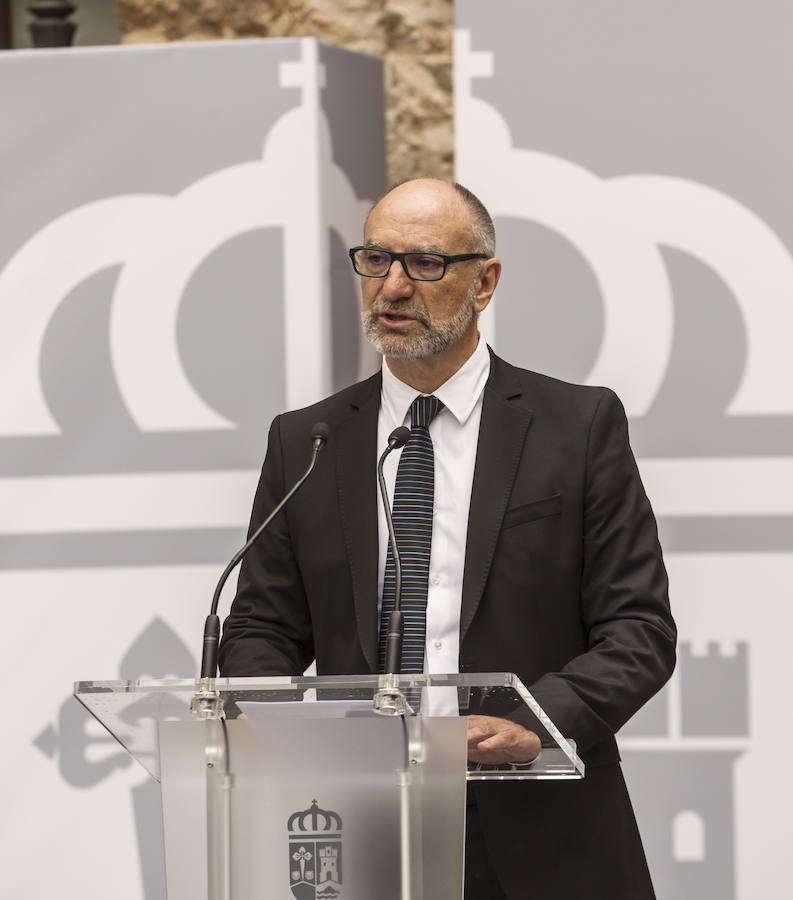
[
  {"x": 172, "y": 224},
  {"x": 636, "y": 159}
]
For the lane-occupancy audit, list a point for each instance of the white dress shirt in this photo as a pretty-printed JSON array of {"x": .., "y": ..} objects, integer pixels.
[{"x": 455, "y": 434}]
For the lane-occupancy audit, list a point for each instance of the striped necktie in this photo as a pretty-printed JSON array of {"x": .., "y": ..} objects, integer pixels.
[{"x": 414, "y": 493}]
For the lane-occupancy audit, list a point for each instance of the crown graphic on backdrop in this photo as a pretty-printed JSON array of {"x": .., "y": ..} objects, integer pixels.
[
  {"x": 137, "y": 357},
  {"x": 314, "y": 819},
  {"x": 681, "y": 291}
]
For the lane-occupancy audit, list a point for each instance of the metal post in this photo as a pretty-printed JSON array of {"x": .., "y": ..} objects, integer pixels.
[
  {"x": 5, "y": 24},
  {"x": 220, "y": 782},
  {"x": 49, "y": 27}
]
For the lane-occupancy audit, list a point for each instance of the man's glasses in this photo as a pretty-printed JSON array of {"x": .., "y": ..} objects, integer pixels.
[{"x": 372, "y": 263}]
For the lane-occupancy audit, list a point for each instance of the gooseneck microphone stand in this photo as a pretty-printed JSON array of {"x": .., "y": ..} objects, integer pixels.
[
  {"x": 206, "y": 702},
  {"x": 389, "y": 700}
]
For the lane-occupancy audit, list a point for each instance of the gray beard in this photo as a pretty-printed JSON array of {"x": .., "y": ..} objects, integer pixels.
[{"x": 435, "y": 338}]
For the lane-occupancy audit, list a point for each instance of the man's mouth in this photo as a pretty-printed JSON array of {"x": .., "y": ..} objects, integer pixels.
[{"x": 395, "y": 317}]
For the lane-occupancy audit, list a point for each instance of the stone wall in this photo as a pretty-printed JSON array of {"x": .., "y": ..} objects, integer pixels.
[{"x": 414, "y": 37}]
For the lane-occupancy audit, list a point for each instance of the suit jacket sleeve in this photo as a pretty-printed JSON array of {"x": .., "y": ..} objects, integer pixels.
[
  {"x": 624, "y": 603},
  {"x": 269, "y": 629}
]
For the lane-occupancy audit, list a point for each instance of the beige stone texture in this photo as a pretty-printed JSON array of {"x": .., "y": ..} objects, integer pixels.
[{"x": 413, "y": 36}]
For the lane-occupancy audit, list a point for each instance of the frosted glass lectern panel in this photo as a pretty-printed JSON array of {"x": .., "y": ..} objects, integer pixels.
[
  {"x": 312, "y": 792},
  {"x": 329, "y": 808},
  {"x": 130, "y": 710}
]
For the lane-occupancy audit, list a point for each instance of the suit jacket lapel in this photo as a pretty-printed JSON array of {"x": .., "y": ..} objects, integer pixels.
[
  {"x": 356, "y": 456},
  {"x": 502, "y": 434}
]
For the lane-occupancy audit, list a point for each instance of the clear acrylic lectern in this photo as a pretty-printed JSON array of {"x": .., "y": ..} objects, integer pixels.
[{"x": 312, "y": 795}]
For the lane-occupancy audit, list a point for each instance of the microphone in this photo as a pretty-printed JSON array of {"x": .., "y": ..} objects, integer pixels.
[
  {"x": 320, "y": 434},
  {"x": 395, "y": 632}
]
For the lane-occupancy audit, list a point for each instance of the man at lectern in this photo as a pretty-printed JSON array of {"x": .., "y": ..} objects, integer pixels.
[{"x": 532, "y": 548}]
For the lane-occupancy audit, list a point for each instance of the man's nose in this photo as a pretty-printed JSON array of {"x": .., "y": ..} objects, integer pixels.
[{"x": 396, "y": 285}]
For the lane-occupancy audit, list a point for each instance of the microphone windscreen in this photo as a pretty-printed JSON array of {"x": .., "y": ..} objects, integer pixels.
[
  {"x": 398, "y": 437},
  {"x": 320, "y": 432}
]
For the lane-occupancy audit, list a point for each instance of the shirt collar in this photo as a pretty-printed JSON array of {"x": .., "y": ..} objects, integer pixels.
[{"x": 459, "y": 394}]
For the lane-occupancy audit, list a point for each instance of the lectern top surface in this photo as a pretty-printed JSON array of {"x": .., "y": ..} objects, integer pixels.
[{"x": 132, "y": 710}]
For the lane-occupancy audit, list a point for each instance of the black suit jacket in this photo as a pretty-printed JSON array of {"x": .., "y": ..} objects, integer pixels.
[{"x": 563, "y": 584}]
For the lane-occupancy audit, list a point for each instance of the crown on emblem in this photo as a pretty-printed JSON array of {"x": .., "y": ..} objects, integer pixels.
[{"x": 314, "y": 819}]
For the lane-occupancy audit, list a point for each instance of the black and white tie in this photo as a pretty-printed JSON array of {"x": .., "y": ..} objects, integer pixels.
[{"x": 414, "y": 494}]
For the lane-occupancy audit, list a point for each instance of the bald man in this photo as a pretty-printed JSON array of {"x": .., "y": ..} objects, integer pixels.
[{"x": 544, "y": 556}]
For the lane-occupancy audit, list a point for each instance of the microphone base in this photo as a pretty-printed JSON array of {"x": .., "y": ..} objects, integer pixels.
[
  {"x": 207, "y": 702},
  {"x": 389, "y": 700}
]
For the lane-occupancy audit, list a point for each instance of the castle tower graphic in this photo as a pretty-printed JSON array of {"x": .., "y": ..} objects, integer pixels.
[
  {"x": 328, "y": 864},
  {"x": 679, "y": 755}
]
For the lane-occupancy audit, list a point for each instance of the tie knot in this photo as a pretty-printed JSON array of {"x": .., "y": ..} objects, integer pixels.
[{"x": 423, "y": 410}]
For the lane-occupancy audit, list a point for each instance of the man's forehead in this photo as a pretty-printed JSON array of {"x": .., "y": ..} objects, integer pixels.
[
  {"x": 411, "y": 245},
  {"x": 424, "y": 213},
  {"x": 422, "y": 197}
]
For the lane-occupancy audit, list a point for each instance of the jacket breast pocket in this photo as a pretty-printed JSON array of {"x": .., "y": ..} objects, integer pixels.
[{"x": 528, "y": 512}]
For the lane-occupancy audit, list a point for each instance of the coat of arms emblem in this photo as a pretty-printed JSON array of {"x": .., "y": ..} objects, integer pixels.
[{"x": 315, "y": 854}]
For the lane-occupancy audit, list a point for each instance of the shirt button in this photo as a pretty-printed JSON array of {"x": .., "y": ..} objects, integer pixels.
[
  {"x": 436, "y": 579},
  {"x": 438, "y": 644},
  {"x": 434, "y": 511}
]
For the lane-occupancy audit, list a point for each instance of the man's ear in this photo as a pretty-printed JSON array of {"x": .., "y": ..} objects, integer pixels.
[{"x": 488, "y": 279}]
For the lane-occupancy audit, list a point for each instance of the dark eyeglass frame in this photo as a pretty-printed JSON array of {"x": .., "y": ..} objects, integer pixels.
[{"x": 400, "y": 257}]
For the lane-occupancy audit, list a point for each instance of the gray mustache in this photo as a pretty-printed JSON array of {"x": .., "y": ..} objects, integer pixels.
[{"x": 418, "y": 313}]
